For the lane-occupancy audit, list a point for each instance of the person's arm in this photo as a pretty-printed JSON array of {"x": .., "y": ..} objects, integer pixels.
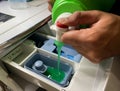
[{"x": 101, "y": 40}]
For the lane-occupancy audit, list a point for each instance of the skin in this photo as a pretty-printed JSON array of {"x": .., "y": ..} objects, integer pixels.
[
  {"x": 100, "y": 40},
  {"x": 50, "y": 4}
]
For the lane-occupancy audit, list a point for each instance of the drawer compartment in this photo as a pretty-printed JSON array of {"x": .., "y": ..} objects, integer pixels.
[
  {"x": 48, "y": 68},
  {"x": 21, "y": 52},
  {"x": 21, "y": 65},
  {"x": 47, "y": 44}
]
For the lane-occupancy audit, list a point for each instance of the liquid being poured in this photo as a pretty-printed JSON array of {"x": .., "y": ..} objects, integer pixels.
[
  {"x": 59, "y": 46},
  {"x": 56, "y": 74}
]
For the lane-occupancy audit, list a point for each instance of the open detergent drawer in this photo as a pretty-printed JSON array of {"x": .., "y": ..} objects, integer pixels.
[
  {"x": 21, "y": 59},
  {"x": 20, "y": 53},
  {"x": 82, "y": 74},
  {"x": 48, "y": 68},
  {"x": 47, "y": 43}
]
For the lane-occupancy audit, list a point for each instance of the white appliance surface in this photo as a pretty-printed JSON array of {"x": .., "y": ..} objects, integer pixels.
[{"x": 23, "y": 19}]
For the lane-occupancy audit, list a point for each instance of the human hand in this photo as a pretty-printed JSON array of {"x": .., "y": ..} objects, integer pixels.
[
  {"x": 50, "y": 4},
  {"x": 100, "y": 41}
]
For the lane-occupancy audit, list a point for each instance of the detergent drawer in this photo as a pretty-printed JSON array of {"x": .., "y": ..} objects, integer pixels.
[
  {"x": 35, "y": 58},
  {"x": 26, "y": 58},
  {"x": 21, "y": 60},
  {"x": 48, "y": 44}
]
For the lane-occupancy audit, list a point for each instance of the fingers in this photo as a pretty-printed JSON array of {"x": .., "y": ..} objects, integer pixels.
[
  {"x": 84, "y": 17},
  {"x": 74, "y": 37},
  {"x": 49, "y": 7},
  {"x": 97, "y": 42},
  {"x": 70, "y": 37},
  {"x": 79, "y": 40},
  {"x": 82, "y": 44},
  {"x": 50, "y": 2}
]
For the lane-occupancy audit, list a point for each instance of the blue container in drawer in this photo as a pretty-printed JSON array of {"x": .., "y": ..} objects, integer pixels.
[
  {"x": 66, "y": 51},
  {"x": 48, "y": 68}
]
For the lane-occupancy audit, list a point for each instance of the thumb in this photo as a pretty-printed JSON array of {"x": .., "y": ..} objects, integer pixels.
[{"x": 84, "y": 17}]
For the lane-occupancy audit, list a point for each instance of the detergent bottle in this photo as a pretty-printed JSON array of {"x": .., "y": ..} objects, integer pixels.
[
  {"x": 70, "y": 6},
  {"x": 64, "y": 8}
]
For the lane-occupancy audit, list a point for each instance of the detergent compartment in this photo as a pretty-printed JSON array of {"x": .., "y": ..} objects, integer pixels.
[
  {"x": 48, "y": 68},
  {"x": 67, "y": 51},
  {"x": 48, "y": 44}
]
